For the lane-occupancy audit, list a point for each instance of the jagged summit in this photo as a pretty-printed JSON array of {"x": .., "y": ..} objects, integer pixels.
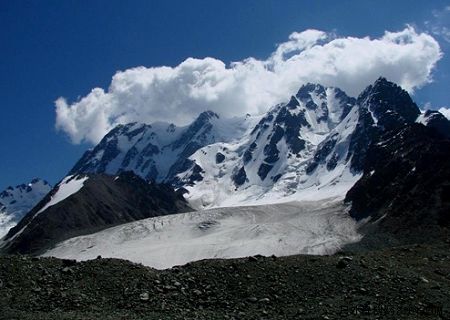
[
  {"x": 389, "y": 104},
  {"x": 206, "y": 115}
]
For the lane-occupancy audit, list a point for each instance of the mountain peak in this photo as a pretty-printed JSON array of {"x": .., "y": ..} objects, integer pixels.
[
  {"x": 383, "y": 80},
  {"x": 390, "y": 105},
  {"x": 38, "y": 180},
  {"x": 306, "y": 89},
  {"x": 207, "y": 115}
]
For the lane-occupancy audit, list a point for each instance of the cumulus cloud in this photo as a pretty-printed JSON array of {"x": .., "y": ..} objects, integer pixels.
[{"x": 178, "y": 94}]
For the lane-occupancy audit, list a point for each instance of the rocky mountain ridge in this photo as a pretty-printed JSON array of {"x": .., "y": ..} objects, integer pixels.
[{"x": 312, "y": 147}]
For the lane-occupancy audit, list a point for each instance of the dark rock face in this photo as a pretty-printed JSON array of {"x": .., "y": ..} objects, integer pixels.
[
  {"x": 196, "y": 175},
  {"x": 437, "y": 121},
  {"x": 292, "y": 124},
  {"x": 220, "y": 157},
  {"x": 240, "y": 177},
  {"x": 270, "y": 150},
  {"x": 322, "y": 153},
  {"x": 263, "y": 170},
  {"x": 365, "y": 133},
  {"x": 406, "y": 183},
  {"x": 383, "y": 106},
  {"x": 102, "y": 202},
  {"x": 346, "y": 102},
  {"x": 390, "y": 104},
  {"x": 248, "y": 154}
]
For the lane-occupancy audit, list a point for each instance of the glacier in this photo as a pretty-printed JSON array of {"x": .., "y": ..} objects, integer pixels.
[{"x": 307, "y": 227}]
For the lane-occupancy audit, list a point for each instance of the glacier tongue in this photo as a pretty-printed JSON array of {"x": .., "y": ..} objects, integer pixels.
[{"x": 320, "y": 227}]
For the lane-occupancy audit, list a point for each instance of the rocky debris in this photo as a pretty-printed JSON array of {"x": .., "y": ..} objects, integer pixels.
[{"x": 383, "y": 284}]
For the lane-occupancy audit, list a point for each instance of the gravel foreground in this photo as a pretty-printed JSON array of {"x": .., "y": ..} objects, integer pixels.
[{"x": 409, "y": 282}]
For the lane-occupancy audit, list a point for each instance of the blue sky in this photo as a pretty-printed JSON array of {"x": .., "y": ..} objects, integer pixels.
[{"x": 52, "y": 49}]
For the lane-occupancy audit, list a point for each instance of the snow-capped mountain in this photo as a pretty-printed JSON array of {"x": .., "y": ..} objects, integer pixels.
[
  {"x": 86, "y": 203},
  {"x": 15, "y": 202},
  {"x": 312, "y": 147},
  {"x": 158, "y": 151}
]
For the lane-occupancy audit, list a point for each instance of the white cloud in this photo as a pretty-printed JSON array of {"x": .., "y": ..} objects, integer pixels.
[
  {"x": 178, "y": 94},
  {"x": 445, "y": 111}
]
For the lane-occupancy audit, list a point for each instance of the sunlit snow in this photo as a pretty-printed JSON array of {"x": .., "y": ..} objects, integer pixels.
[{"x": 66, "y": 188}]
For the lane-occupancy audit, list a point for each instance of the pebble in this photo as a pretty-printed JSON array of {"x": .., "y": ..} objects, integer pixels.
[
  {"x": 197, "y": 292},
  {"x": 144, "y": 296},
  {"x": 423, "y": 279},
  {"x": 67, "y": 270}
]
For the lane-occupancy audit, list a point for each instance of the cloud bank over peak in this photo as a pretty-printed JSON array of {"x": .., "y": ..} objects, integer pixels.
[{"x": 178, "y": 94}]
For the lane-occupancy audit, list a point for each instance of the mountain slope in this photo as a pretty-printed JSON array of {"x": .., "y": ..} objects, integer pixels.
[
  {"x": 15, "y": 202},
  {"x": 436, "y": 120},
  {"x": 88, "y": 203},
  {"x": 405, "y": 190}
]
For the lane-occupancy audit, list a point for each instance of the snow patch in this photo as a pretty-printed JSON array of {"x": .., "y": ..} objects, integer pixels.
[
  {"x": 423, "y": 119},
  {"x": 66, "y": 188}
]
